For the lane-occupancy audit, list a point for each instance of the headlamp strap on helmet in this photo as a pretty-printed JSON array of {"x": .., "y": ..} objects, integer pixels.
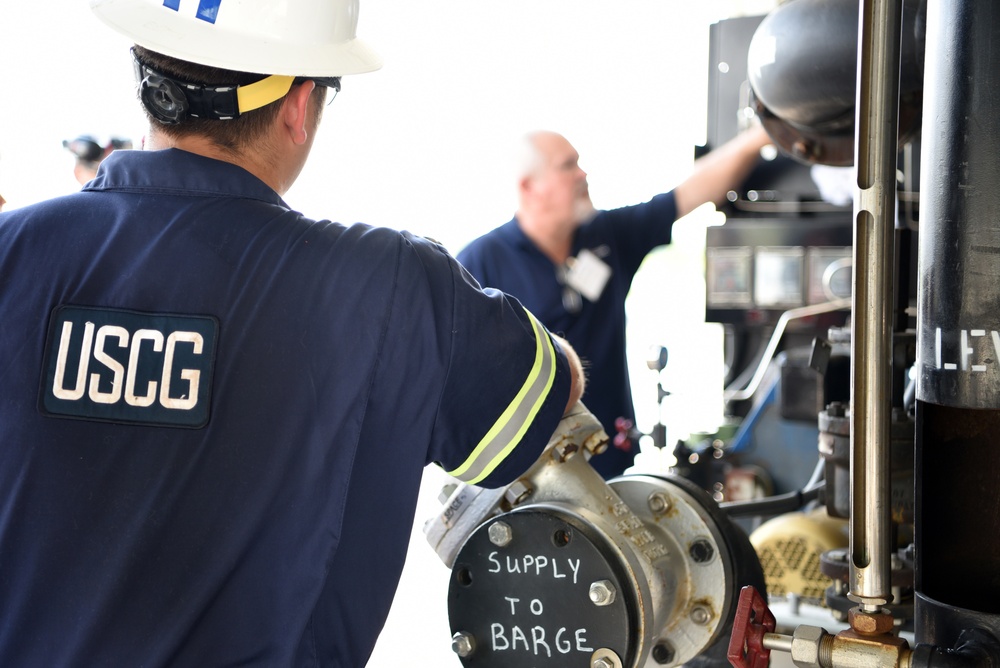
[{"x": 172, "y": 101}]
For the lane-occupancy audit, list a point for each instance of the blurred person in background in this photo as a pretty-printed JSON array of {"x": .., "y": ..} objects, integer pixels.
[
  {"x": 572, "y": 265},
  {"x": 90, "y": 153}
]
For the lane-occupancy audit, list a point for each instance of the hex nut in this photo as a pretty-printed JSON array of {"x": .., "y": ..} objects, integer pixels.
[
  {"x": 463, "y": 644},
  {"x": 660, "y": 503},
  {"x": 446, "y": 491},
  {"x": 605, "y": 658},
  {"x": 700, "y": 615},
  {"x": 602, "y": 593},
  {"x": 563, "y": 451},
  {"x": 500, "y": 533},
  {"x": 702, "y": 551},
  {"x": 596, "y": 443},
  {"x": 806, "y": 642},
  {"x": 870, "y": 623},
  {"x": 518, "y": 491},
  {"x": 663, "y": 652}
]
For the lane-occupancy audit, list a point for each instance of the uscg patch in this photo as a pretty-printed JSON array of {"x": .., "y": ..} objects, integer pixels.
[{"x": 128, "y": 366}]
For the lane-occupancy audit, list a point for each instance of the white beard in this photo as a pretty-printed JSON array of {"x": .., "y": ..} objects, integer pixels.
[{"x": 583, "y": 210}]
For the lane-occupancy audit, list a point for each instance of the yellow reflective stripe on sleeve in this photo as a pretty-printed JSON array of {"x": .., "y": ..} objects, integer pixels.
[
  {"x": 265, "y": 91},
  {"x": 508, "y": 430}
]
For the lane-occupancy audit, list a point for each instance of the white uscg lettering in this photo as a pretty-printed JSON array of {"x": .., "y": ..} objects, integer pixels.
[
  {"x": 968, "y": 348},
  {"x": 123, "y": 380},
  {"x": 124, "y": 366}
]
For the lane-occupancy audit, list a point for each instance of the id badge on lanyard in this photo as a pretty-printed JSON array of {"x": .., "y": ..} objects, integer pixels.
[{"x": 583, "y": 276}]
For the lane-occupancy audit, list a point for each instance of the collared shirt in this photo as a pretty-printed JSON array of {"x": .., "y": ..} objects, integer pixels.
[
  {"x": 506, "y": 259},
  {"x": 215, "y": 414}
]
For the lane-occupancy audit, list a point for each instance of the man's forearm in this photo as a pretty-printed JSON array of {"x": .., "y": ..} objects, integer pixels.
[
  {"x": 577, "y": 379},
  {"x": 720, "y": 171}
]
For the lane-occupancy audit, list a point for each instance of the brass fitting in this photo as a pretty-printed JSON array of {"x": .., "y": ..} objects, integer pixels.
[
  {"x": 870, "y": 623},
  {"x": 854, "y": 650},
  {"x": 811, "y": 646}
]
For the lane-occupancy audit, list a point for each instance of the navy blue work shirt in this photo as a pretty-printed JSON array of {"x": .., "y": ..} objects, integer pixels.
[
  {"x": 215, "y": 414},
  {"x": 506, "y": 259}
]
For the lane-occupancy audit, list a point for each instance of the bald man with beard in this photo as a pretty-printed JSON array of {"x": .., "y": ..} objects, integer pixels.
[{"x": 572, "y": 265}]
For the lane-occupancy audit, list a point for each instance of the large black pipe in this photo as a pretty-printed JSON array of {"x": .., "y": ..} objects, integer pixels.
[{"x": 957, "y": 555}]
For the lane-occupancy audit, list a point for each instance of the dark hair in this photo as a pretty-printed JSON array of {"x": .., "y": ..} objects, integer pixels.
[{"x": 234, "y": 134}]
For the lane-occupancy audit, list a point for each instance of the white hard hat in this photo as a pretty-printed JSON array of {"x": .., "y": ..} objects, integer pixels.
[{"x": 297, "y": 38}]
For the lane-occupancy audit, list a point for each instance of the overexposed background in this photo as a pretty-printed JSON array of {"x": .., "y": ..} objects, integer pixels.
[{"x": 425, "y": 145}]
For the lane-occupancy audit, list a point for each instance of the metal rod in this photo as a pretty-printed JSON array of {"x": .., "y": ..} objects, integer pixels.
[
  {"x": 731, "y": 394},
  {"x": 871, "y": 324},
  {"x": 777, "y": 641}
]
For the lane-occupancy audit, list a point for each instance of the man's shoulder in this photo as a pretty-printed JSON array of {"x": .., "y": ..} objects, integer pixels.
[
  {"x": 662, "y": 205},
  {"x": 409, "y": 250},
  {"x": 499, "y": 239},
  {"x": 652, "y": 218},
  {"x": 496, "y": 237}
]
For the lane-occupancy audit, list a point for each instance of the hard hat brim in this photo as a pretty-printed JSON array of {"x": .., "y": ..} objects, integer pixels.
[{"x": 195, "y": 41}]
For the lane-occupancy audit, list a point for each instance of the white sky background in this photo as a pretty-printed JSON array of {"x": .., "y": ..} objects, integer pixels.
[{"x": 425, "y": 145}]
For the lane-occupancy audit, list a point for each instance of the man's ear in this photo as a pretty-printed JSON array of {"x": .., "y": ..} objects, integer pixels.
[
  {"x": 295, "y": 111},
  {"x": 524, "y": 185}
]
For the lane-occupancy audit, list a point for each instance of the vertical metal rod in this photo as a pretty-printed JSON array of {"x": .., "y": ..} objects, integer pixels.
[{"x": 871, "y": 324}]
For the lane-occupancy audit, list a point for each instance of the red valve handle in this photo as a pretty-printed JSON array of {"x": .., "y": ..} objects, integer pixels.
[
  {"x": 753, "y": 619},
  {"x": 622, "y": 439}
]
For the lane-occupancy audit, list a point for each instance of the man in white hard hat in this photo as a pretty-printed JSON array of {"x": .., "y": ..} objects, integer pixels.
[
  {"x": 215, "y": 412},
  {"x": 573, "y": 265}
]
